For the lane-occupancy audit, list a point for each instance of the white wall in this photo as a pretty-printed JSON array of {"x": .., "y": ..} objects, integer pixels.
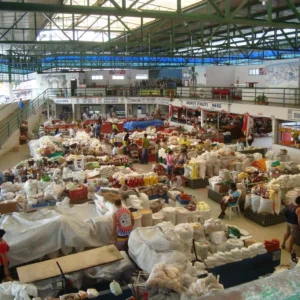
[
  {"x": 55, "y": 80},
  {"x": 242, "y": 75},
  {"x": 13, "y": 140},
  {"x": 6, "y": 110},
  {"x": 220, "y": 76},
  {"x": 129, "y": 77}
]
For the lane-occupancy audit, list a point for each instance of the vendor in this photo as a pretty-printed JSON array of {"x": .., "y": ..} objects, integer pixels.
[
  {"x": 185, "y": 141},
  {"x": 115, "y": 127},
  {"x": 176, "y": 180},
  {"x": 4, "y": 248},
  {"x": 126, "y": 142},
  {"x": 157, "y": 148},
  {"x": 230, "y": 200},
  {"x": 123, "y": 223},
  {"x": 181, "y": 160}
]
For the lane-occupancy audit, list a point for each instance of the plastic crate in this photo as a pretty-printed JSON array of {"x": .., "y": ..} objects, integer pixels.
[
  {"x": 215, "y": 196},
  {"x": 80, "y": 194},
  {"x": 264, "y": 220},
  {"x": 183, "y": 201},
  {"x": 197, "y": 183}
]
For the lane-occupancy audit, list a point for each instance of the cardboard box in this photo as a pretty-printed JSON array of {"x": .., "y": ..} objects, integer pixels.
[{"x": 10, "y": 207}]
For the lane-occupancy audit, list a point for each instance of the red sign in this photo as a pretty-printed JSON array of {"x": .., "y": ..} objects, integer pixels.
[{"x": 117, "y": 72}]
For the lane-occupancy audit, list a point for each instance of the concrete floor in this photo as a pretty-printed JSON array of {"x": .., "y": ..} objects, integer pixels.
[{"x": 259, "y": 233}]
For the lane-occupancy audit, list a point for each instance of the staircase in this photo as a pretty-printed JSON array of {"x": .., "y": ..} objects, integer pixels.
[{"x": 8, "y": 127}]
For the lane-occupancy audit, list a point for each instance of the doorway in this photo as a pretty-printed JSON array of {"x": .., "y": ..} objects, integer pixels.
[{"x": 73, "y": 86}]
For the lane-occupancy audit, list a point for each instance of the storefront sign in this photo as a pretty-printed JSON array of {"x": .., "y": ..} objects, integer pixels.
[
  {"x": 141, "y": 100},
  {"x": 62, "y": 101},
  {"x": 111, "y": 100},
  {"x": 293, "y": 114},
  {"x": 197, "y": 103},
  {"x": 163, "y": 101}
]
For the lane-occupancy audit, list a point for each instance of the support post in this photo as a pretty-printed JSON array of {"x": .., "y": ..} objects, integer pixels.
[{"x": 73, "y": 111}]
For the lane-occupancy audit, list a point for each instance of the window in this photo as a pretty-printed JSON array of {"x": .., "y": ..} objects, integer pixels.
[
  {"x": 141, "y": 76},
  {"x": 97, "y": 77},
  {"x": 253, "y": 72},
  {"x": 118, "y": 77}
]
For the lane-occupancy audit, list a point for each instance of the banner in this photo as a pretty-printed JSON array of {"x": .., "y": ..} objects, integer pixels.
[{"x": 248, "y": 124}]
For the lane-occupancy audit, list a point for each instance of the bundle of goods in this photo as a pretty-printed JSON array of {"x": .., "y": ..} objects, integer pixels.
[
  {"x": 154, "y": 190},
  {"x": 45, "y": 146},
  {"x": 135, "y": 179},
  {"x": 159, "y": 169},
  {"x": 264, "y": 199}
]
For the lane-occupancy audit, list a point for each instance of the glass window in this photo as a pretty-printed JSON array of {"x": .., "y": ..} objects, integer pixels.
[
  {"x": 141, "y": 76},
  {"x": 97, "y": 77},
  {"x": 118, "y": 77}
]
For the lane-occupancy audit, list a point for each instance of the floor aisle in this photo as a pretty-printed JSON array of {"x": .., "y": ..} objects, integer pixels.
[{"x": 259, "y": 233}]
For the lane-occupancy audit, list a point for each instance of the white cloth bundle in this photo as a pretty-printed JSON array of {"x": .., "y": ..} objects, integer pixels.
[
  {"x": 170, "y": 214},
  {"x": 234, "y": 243}
]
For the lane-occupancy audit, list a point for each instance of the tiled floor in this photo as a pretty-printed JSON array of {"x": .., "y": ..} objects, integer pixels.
[{"x": 258, "y": 232}]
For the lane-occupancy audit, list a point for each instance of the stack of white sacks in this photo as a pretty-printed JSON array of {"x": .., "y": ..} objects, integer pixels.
[{"x": 235, "y": 255}]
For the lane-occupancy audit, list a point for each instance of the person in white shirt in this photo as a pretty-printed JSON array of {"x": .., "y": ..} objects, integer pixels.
[
  {"x": 239, "y": 145},
  {"x": 115, "y": 149},
  {"x": 95, "y": 116},
  {"x": 72, "y": 132},
  {"x": 85, "y": 116}
]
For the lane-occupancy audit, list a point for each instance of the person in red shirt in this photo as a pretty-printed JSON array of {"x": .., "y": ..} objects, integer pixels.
[{"x": 4, "y": 248}]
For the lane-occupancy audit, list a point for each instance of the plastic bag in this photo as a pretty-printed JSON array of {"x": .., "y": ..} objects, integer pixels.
[
  {"x": 115, "y": 288},
  {"x": 233, "y": 231}
]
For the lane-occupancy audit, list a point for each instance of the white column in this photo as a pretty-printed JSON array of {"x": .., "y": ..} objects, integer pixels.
[
  {"x": 48, "y": 109},
  {"x": 73, "y": 111},
  {"x": 126, "y": 108},
  {"x": 10, "y": 91}
]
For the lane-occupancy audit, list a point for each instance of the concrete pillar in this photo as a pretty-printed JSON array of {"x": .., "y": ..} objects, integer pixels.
[
  {"x": 10, "y": 92},
  {"x": 73, "y": 111},
  {"x": 126, "y": 108}
]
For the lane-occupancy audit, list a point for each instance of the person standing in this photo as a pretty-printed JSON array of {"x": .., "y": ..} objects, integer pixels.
[
  {"x": 97, "y": 130},
  {"x": 292, "y": 216},
  {"x": 250, "y": 138},
  {"x": 145, "y": 149},
  {"x": 170, "y": 162},
  {"x": 157, "y": 148},
  {"x": 21, "y": 104},
  {"x": 161, "y": 88},
  {"x": 126, "y": 142},
  {"x": 123, "y": 223},
  {"x": 4, "y": 262}
]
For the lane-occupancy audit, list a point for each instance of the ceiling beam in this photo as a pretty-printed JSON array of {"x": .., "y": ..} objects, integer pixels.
[{"x": 184, "y": 16}]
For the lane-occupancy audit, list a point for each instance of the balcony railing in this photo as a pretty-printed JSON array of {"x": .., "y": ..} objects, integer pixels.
[{"x": 287, "y": 97}]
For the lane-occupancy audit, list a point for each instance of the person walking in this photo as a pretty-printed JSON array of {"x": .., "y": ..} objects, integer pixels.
[
  {"x": 21, "y": 106},
  {"x": 157, "y": 148},
  {"x": 170, "y": 162},
  {"x": 145, "y": 149},
  {"x": 292, "y": 216},
  {"x": 123, "y": 223},
  {"x": 97, "y": 130}
]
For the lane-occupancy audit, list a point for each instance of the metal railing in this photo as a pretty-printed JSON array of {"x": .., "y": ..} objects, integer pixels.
[
  {"x": 13, "y": 124},
  {"x": 257, "y": 95}
]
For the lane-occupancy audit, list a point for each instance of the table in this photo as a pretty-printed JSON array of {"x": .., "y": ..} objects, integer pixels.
[{"x": 69, "y": 263}]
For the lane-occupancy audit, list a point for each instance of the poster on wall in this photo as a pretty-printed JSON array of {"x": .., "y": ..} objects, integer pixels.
[
  {"x": 285, "y": 74},
  {"x": 171, "y": 77}
]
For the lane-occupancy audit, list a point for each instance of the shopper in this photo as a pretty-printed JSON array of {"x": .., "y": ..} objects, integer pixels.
[
  {"x": 85, "y": 116},
  {"x": 176, "y": 180},
  {"x": 250, "y": 138},
  {"x": 123, "y": 223},
  {"x": 145, "y": 149},
  {"x": 21, "y": 104},
  {"x": 91, "y": 131},
  {"x": 115, "y": 149},
  {"x": 292, "y": 216},
  {"x": 161, "y": 88},
  {"x": 126, "y": 142},
  {"x": 181, "y": 160},
  {"x": 115, "y": 127},
  {"x": 170, "y": 162},
  {"x": 113, "y": 138},
  {"x": 97, "y": 130},
  {"x": 4, "y": 248},
  {"x": 239, "y": 145},
  {"x": 157, "y": 148},
  {"x": 231, "y": 199}
]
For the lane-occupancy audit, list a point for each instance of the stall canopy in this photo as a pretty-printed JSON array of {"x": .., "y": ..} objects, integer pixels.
[{"x": 142, "y": 124}]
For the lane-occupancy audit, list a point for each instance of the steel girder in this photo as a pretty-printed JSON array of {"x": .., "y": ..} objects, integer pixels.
[{"x": 119, "y": 12}]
